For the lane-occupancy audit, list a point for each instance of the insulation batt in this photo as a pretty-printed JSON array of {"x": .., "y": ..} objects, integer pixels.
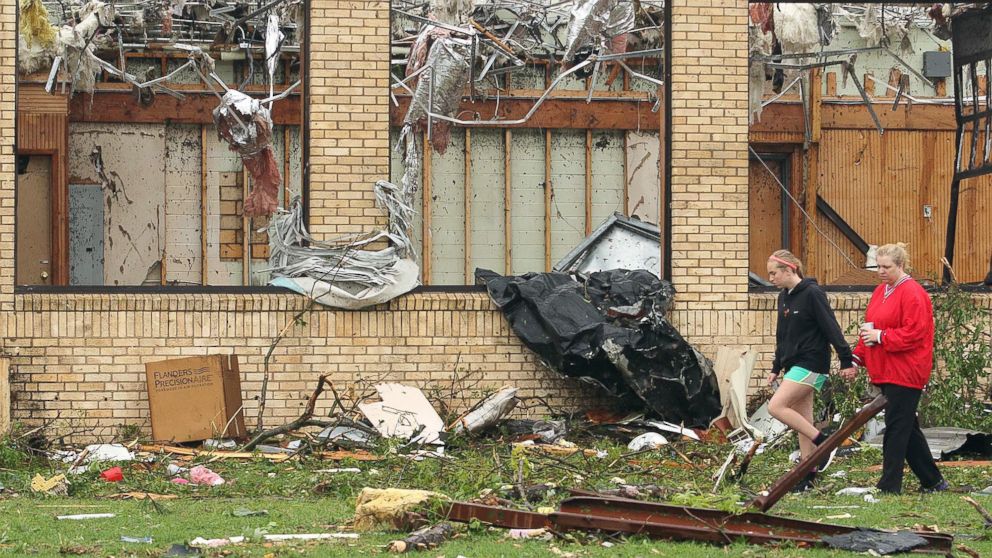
[
  {"x": 247, "y": 128},
  {"x": 440, "y": 87},
  {"x": 797, "y": 27},
  {"x": 596, "y": 23}
]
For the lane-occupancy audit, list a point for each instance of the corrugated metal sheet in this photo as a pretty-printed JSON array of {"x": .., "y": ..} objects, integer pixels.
[{"x": 880, "y": 185}]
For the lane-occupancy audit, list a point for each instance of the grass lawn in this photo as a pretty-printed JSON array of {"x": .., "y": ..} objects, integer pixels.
[{"x": 286, "y": 491}]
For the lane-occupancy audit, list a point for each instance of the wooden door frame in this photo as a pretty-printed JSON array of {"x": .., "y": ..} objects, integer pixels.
[{"x": 791, "y": 155}]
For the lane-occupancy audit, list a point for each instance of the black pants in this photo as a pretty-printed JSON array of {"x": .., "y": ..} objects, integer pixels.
[{"x": 904, "y": 441}]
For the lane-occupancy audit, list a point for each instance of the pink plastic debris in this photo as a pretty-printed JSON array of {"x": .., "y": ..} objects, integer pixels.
[
  {"x": 202, "y": 475},
  {"x": 179, "y": 480}
]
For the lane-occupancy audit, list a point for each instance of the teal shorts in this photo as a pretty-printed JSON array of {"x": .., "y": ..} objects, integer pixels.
[{"x": 800, "y": 375}]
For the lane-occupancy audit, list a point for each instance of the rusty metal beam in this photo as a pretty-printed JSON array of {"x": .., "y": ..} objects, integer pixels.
[
  {"x": 464, "y": 512},
  {"x": 783, "y": 485}
]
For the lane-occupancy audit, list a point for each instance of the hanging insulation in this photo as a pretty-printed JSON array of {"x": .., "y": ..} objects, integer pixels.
[
  {"x": 596, "y": 23},
  {"x": 246, "y": 126},
  {"x": 797, "y": 27},
  {"x": 36, "y": 29}
]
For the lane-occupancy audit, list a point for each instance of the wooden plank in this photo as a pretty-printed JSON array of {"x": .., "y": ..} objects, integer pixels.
[
  {"x": 831, "y": 84},
  {"x": 941, "y": 86},
  {"x": 287, "y": 138},
  {"x": 196, "y": 108},
  {"x": 204, "y": 256},
  {"x": 507, "y": 203},
  {"x": 468, "y": 207},
  {"x": 785, "y": 119},
  {"x": 245, "y": 231},
  {"x": 588, "y": 201},
  {"x": 425, "y": 206},
  {"x": 764, "y": 206},
  {"x": 869, "y": 83},
  {"x": 626, "y": 164},
  {"x": 812, "y": 182},
  {"x": 570, "y": 113},
  {"x": 816, "y": 103},
  {"x": 547, "y": 199}
]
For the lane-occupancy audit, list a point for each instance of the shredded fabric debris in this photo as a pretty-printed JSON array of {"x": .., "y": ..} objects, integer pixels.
[
  {"x": 797, "y": 27},
  {"x": 246, "y": 126}
]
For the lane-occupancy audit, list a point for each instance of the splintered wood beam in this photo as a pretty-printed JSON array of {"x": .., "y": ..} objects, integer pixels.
[
  {"x": 941, "y": 86},
  {"x": 869, "y": 84},
  {"x": 204, "y": 277},
  {"x": 245, "y": 232},
  {"x": 425, "y": 225},
  {"x": 468, "y": 207},
  {"x": 588, "y": 182},
  {"x": 547, "y": 200},
  {"x": 507, "y": 203}
]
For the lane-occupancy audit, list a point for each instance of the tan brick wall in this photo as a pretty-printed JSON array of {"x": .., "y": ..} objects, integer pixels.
[
  {"x": 709, "y": 153},
  {"x": 349, "y": 114},
  {"x": 8, "y": 49}
]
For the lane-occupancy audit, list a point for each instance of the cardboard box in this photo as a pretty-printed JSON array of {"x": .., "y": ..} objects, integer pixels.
[{"x": 195, "y": 398}]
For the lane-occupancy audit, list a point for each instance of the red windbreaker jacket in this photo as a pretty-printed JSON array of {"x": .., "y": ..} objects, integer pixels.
[{"x": 905, "y": 355}]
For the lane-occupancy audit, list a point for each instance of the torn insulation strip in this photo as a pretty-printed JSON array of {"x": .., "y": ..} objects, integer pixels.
[
  {"x": 344, "y": 273},
  {"x": 439, "y": 88},
  {"x": 599, "y": 24},
  {"x": 246, "y": 126}
]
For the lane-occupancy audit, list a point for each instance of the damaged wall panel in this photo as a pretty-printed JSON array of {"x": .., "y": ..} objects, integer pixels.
[
  {"x": 642, "y": 175},
  {"x": 133, "y": 158},
  {"x": 568, "y": 197},
  {"x": 448, "y": 213},
  {"x": 864, "y": 176},
  {"x": 487, "y": 198},
  {"x": 182, "y": 204},
  {"x": 608, "y": 175},
  {"x": 527, "y": 211}
]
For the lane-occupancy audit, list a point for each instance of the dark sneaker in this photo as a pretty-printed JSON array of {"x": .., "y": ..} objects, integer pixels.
[
  {"x": 940, "y": 487},
  {"x": 805, "y": 485},
  {"x": 822, "y": 465}
]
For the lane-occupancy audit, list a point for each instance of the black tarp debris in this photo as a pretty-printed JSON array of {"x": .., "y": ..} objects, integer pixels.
[
  {"x": 865, "y": 540},
  {"x": 610, "y": 329}
]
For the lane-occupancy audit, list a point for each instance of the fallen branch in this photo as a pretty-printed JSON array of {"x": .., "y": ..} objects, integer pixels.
[
  {"x": 303, "y": 420},
  {"x": 985, "y": 514}
]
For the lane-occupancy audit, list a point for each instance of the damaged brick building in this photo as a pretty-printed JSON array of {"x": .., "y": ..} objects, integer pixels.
[{"x": 140, "y": 247}]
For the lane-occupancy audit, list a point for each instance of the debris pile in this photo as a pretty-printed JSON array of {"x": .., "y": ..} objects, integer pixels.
[{"x": 610, "y": 329}]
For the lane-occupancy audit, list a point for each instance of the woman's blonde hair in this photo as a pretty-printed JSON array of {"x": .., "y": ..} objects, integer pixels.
[
  {"x": 896, "y": 252},
  {"x": 790, "y": 261}
]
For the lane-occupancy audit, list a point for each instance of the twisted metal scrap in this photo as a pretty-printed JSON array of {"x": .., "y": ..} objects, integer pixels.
[{"x": 597, "y": 23}]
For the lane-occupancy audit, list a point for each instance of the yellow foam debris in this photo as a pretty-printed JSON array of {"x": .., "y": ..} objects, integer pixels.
[
  {"x": 35, "y": 26},
  {"x": 377, "y": 507}
]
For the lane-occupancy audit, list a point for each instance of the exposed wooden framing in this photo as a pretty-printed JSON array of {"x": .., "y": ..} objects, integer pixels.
[
  {"x": 983, "y": 83},
  {"x": 571, "y": 112},
  {"x": 816, "y": 104},
  {"x": 588, "y": 202},
  {"x": 786, "y": 118},
  {"x": 663, "y": 185},
  {"x": 869, "y": 84},
  {"x": 245, "y": 231},
  {"x": 425, "y": 228},
  {"x": 895, "y": 77},
  {"x": 547, "y": 199},
  {"x": 468, "y": 207},
  {"x": 286, "y": 140},
  {"x": 626, "y": 165},
  {"x": 831, "y": 84},
  {"x": 204, "y": 268},
  {"x": 941, "y": 86},
  {"x": 196, "y": 108},
  {"x": 813, "y": 160},
  {"x": 507, "y": 202}
]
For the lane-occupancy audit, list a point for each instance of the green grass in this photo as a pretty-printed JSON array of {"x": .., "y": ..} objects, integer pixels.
[{"x": 28, "y": 526}]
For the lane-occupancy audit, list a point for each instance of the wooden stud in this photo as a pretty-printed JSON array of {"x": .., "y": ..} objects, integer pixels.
[
  {"x": 507, "y": 202},
  {"x": 812, "y": 180},
  {"x": 626, "y": 179},
  {"x": 831, "y": 84},
  {"x": 286, "y": 140},
  {"x": 468, "y": 207},
  {"x": 983, "y": 83},
  {"x": 588, "y": 181},
  {"x": 869, "y": 84},
  {"x": 245, "y": 231},
  {"x": 425, "y": 230},
  {"x": 547, "y": 200},
  {"x": 662, "y": 185},
  {"x": 203, "y": 206},
  {"x": 816, "y": 104},
  {"x": 895, "y": 77},
  {"x": 941, "y": 86}
]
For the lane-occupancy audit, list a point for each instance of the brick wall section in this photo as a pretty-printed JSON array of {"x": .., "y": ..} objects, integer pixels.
[
  {"x": 8, "y": 49},
  {"x": 81, "y": 357},
  {"x": 709, "y": 153},
  {"x": 349, "y": 114}
]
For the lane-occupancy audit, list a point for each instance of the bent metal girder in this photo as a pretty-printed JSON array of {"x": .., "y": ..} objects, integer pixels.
[{"x": 591, "y": 511}]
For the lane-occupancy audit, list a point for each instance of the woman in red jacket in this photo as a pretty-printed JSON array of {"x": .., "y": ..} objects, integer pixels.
[{"x": 896, "y": 346}]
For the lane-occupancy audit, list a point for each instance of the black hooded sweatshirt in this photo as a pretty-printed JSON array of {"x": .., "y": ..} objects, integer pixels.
[{"x": 806, "y": 328}]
